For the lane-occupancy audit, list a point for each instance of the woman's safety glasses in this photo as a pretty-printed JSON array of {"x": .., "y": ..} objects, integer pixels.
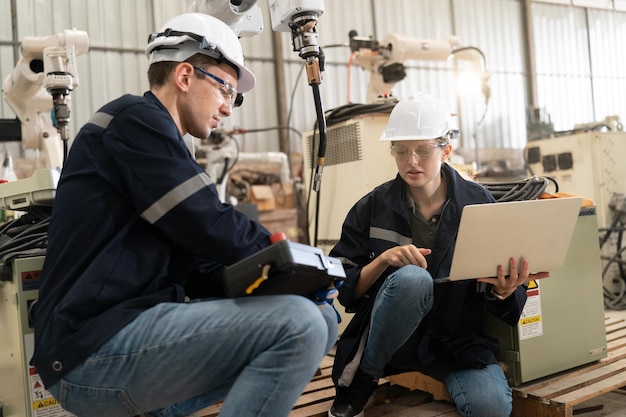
[{"x": 423, "y": 151}]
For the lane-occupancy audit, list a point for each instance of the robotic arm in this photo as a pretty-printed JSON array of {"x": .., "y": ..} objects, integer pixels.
[
  {"x": 46, "y": 68},
  {"x": 385, "y": 60},
  {"x": 300, "y": 17}
]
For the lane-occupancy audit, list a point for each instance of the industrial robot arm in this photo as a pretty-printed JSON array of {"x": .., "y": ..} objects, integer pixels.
[
  {"x": 45, "y": 70},
  {"x": 300, "y": 17},
  {"x": 385, "y": 59}
]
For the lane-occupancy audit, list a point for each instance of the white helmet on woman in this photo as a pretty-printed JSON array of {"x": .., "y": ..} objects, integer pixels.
[
  {"x": 191, "y": 33},
  {"x": 419, "y": 117}
]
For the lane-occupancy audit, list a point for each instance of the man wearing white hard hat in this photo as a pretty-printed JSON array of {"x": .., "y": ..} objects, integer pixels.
[
  {"x": 394, "y": 241},
  {"x": 135, "y": 221}
]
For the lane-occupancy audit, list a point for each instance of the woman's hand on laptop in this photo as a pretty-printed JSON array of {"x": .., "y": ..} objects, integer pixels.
[
  {"x": 397, "y": 256},
  {"x": 400, "y": 256},
  {"x": 505, "y": 285}
]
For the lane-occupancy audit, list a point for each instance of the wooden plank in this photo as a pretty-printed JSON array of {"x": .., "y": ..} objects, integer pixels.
[
  {"x": 319, "y": 384},
  {"x": 524, "y": 407},
  {"x": 327, "y": 362},
  {"x": 313, "y": 410},
  {"x": 211, "y": 411},
  {"x": 611, "y": 322},
  {"x": 315, "y": 397},
  {"x": 615, "y": 327},
  {"x": 417, "y": 380},
  {"x": 616, "y": 339},
  {"x": 580, "y": 380},
  {"x": 431, "y": 409},
  {"x": 592, "y": 391},
  {"x": 524, "y": 389},
  {"x": 408, "y": 404}
]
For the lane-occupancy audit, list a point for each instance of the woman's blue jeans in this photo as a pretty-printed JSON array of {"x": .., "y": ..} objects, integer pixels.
[
  {"x": 482, "y": 392},
  {"x": 404, "y": 299},
  {"x": 256, "y": 353}
]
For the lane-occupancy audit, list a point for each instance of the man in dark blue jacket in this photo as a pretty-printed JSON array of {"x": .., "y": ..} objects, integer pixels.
[
  {"x": 136, "y": 219},
  {"x": 394, "y": 241}
]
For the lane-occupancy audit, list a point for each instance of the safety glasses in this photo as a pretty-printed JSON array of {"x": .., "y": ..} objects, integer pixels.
[
  {"x": 423, "y": 151},
  {"x": 231, "y": 96}
]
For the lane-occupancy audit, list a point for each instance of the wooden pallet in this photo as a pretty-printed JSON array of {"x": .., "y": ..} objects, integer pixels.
[
  {"x": 389, "y": 400},
  {"x": 318, "y": 394},
  {"x": 415, "y": 395},
  {"x": 315, "y": 400},
  {"x": 560, "y": 395},
  {"x": 563, "y": 394}
]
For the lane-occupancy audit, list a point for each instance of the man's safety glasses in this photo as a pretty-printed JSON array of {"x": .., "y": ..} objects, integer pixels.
[{"x": 231, "y": 96}]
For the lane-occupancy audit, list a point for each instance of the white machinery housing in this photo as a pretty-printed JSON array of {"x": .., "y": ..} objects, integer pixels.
[
  {"x": 22, "y": 390},
  {"x": 356, "y": 162},
  {"x": 589, "y": 164}
]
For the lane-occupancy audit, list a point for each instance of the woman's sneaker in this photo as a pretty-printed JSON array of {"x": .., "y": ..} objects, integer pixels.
[{"x": 350, "y": 401}]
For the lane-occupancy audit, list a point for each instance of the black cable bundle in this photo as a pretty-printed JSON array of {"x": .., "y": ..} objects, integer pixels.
[
  {"x": 527, "y": 189},
  {"x": 25, "y": 236},
  {"x": 348, "y": 111}
]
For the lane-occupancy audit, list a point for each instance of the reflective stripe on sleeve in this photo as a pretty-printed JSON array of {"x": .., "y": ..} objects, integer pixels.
[
  {"x": 389, "y": 235},
  {"x": 175, "y": 196},
  {"x": 347, "y": 261},
  {"x": 101, "y": 119}
]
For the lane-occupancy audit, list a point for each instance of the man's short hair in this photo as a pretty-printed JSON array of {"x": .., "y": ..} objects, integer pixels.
[{"x": 158, "y": 72}]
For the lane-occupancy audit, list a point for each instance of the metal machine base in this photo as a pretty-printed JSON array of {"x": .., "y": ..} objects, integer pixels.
[{"x": 22, "y": 390}]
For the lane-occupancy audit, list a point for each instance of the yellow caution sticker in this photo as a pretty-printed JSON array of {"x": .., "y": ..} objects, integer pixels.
[
  {"x": 48, "y": 402},
  {"x": 530, "y": 320}
]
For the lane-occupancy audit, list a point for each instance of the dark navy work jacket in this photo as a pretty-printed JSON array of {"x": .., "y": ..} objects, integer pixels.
[
  {"x": 451, "y": 335},
  {"x": 134, "y": 217}
]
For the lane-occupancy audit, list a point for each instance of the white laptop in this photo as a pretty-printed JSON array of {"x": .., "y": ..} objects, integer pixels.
[{"x": 537, "y": 230}]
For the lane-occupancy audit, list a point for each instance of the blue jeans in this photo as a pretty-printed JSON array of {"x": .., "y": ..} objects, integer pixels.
[
  {"x": 482, "y": 392},
  {"x": 256, "y": 353},
  {"x": 402, "y": 302},
  {"x": 404, "y": 299}
]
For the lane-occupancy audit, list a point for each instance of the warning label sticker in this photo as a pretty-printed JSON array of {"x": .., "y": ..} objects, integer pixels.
[
  {"x": 530, "y": 324},
  {"x": 30, "y": 280},
  {"x": 43, "y": 403}
]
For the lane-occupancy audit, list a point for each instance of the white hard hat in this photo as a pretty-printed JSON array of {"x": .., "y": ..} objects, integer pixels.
[
  {"x": 419, "y": 117},
  {"x": 191, "y": 33}
]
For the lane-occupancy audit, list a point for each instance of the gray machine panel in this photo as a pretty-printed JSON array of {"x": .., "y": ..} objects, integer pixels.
[{"x": 562, "y": 326}]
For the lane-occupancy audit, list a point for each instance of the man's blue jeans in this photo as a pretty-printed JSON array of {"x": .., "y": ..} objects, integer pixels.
[
  {"x": 257, "y": 353},
  {"x": 404, "y": 299}
]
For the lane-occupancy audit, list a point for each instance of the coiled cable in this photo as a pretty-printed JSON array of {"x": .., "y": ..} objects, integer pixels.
[{"x": 527, "y": 189}]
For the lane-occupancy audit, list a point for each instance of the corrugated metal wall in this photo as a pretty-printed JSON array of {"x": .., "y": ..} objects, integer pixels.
[
  {"x": 571, "y": 87},
  {"x": 580, "y": 61}
]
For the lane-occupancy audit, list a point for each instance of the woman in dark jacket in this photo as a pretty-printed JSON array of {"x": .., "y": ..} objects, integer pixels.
[{"x": 394, "y": 241}]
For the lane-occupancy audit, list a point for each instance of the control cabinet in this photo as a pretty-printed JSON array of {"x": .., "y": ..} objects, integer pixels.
[
  {"x": 21, "y": 389},
  {"x": 562, "y": 325}
]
